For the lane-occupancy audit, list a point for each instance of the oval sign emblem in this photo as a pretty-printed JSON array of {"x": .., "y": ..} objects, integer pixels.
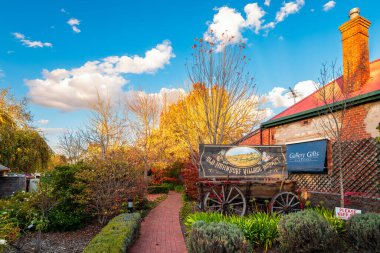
[{"x": 243, "y": 156}]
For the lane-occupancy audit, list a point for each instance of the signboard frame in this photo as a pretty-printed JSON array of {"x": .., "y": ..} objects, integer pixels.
[
  {"x": 204, "y": 155},
  {"x": 307, "y": 156}
]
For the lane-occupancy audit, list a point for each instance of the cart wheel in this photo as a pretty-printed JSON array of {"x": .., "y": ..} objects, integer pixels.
[
  {"x": 225, "y": 199},
  {"x": 285, "y": 202}
]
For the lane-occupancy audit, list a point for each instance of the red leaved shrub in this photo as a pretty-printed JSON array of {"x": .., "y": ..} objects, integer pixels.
[{"x": 190, "y": 178}]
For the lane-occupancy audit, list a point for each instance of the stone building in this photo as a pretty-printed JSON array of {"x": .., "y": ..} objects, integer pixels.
[{"x": 360, "y": 83}]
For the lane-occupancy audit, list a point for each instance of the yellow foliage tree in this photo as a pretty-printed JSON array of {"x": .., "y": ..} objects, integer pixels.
[{"x": 193, "y": 120}]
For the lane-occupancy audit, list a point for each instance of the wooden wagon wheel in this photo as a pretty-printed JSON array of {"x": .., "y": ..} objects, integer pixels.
[
  {"x": 285, "y": 202},
  {"x": 226, "y": 199}
]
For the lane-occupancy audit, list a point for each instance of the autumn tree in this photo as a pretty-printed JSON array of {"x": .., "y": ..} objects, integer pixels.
[
  {"x": 13, "y": 112},
  {"x": 222, "y": 105},
  {"x": 143, "y": 118},
  {"x": 109, "y": 183},
  {"x": 105, "y": 129},
  {"x": 72, "y": 145}
]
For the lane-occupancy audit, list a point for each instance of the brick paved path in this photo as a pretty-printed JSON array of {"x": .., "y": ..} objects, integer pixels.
[{"x": 160, "y": 231}]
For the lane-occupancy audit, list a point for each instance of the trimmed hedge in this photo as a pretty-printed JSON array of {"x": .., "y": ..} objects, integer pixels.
[
  {"x": 156, "y": 189},
  {"x": 117, "y": 236},
  {"x": 364, "y": 232}
]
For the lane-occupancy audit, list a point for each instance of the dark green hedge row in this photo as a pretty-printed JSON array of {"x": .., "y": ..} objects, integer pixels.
[
  {"x": 155, "y": 189},
  {"x": 117, "y": 236}
]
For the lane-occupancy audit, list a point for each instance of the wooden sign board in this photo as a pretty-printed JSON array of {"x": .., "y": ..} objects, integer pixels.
[
  {"x": 345, "y": 213},
  {"x": 222, "y": 161}
]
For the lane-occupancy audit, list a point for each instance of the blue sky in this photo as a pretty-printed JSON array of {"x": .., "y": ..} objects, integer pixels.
[{"x": 287, "y": 45}]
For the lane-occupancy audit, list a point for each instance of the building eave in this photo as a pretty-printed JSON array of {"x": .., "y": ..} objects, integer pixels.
[{"x": 358, "y": 100}]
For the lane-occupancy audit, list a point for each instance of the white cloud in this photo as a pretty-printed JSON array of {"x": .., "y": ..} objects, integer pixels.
[
  {"x": 74, "y": 23},
  {"x": 264, "y": 114},
  {"x": 43, "y": 121},
  {"x": 51, "y": 130},
  {"x": 30, "y": 43},
  {"x": 288, "y": 9},
  {"x": 281, "y": 97},
  {"x": 254, "y": 16},
  {"x": 2, "y": 73},
  {"x": 228, "y": 24},
  {"x": 79, "y": 87},
  {"x": 329, "y": 5}
]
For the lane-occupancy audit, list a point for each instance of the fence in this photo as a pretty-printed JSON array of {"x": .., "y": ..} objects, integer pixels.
[{"x": 360, "y": 166}]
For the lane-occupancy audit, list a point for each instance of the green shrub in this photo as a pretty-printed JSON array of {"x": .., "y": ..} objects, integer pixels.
[
  {"x": 306, "y": 231},
  {"x": 65, "y": 219},
  {"x": 9, "y": 231},
  {"x": 69, "y": 212},
  {"x": 179, "y": 188},
  {"x": 216, "y": 238},
  {"x": 259, "y": 228},
  {"x": 330, "y": 217},
  {"x": 20, "y": 208},
  {"x": 117, "y": 236},
  {"x": 170, "y": 186},
  {"x": 156, "y": 189},
  {"x": 363, "y": 231},
  {"x": 205, "y": 217},
  {"x": 186, "y": 209}
]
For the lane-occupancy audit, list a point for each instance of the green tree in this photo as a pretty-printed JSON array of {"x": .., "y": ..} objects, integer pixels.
[
  {"x": 23, "y": 149},
  {"x": 13, "y": 112}
]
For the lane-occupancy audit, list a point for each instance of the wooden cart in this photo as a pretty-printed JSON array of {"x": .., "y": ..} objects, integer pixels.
[
  {"x": 236, "y": 195},
  {"x": 233, "y": 197}
]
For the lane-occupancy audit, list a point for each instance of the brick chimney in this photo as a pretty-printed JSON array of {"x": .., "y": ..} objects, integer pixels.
[{"x": 355, "y": 51}]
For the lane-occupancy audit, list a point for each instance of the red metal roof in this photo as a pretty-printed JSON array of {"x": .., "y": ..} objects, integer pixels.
[{"x": 314, "y": 100}]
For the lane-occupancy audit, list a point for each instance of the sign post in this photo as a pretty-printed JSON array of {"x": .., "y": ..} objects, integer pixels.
[{"x": 345, "y": 213}]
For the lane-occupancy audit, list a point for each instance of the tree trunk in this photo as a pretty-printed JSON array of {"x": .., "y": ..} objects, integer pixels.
[{"x": 341, "y": 184}]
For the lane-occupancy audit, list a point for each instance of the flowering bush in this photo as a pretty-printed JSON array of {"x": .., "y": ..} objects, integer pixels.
[{"x": 9, "y": 231}]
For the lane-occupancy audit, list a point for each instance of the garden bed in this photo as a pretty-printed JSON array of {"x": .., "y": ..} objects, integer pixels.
[
  {"x": 312, "y": 230},
  {"x": 60, "y": 242}
]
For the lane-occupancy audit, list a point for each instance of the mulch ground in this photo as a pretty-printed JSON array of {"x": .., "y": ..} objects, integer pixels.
[
  {"x": 60, "y": 242},
  {"x": 63, "y": 242}
]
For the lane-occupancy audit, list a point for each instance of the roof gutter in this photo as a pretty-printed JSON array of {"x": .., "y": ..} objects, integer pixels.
[{"x": 358, "y": 100}]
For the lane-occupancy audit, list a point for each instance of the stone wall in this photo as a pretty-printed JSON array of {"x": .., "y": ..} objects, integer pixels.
[
  {"x": 361, "y": 122},
  {"x": 11, "y": 184}
]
